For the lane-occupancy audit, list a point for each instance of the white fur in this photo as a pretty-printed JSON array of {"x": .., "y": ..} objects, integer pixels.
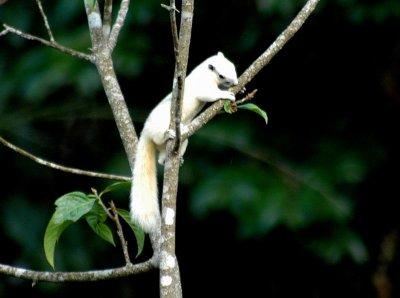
[{"x": 204, "y": 84}]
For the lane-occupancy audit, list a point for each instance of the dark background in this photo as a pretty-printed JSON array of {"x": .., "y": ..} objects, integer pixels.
[{"x": 304, "y": 206}]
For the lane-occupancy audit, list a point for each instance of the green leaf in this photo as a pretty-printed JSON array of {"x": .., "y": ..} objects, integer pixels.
[
  {"x": 256, "y": 109},
  {"x": 72, "y": 206},
  {"x": 95, "y": 219},
  {"x": 116, "y": 186},
  {"x": 139, "y": 234},
  {"x": 51, "y": 236},
  {"x": 100, "y": 228},
  {"x": 228, "y": 107}
]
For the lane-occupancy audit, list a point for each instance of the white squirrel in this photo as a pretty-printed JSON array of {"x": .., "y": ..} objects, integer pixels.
[{"x": 208, "y": 82}]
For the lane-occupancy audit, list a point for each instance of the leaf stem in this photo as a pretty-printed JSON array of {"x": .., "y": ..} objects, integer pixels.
[{"x": 120, "y": 233}]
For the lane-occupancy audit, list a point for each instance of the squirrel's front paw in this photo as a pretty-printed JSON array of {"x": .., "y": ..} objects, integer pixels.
[
  {"x": 170, "y": 134},
  {"x": 230, "y": 95}
]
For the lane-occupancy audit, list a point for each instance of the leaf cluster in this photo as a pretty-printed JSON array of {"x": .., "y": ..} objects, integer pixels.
[{"x": 73, "y": 206}]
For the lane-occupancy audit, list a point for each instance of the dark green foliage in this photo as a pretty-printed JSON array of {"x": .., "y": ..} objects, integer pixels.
[{"x": 76, "y": 205}]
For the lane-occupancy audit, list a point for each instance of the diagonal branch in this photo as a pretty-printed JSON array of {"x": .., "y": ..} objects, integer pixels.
[
  {"x": 51, "y": 44},
  {"x": 60, "y": 167},
  {"x": 124, "y": 243},
  {"x": 46, "y": 22},
  {"x": 119, "y": 22}
]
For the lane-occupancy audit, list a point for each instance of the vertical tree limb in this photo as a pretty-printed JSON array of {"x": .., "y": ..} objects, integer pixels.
[
  {"x": 95, "y": 23},
  {"x": 170, "y": 283},
  {"x": 102, "y": 51}
]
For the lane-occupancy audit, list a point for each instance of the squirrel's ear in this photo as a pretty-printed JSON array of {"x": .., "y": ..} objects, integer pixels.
[{"x": 220, "y": 54}]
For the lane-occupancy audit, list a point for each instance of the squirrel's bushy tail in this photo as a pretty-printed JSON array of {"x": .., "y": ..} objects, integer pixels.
[{"x": 144, "y": 193}]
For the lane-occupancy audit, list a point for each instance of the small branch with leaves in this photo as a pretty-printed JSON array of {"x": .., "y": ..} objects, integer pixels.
[{"x": 71, "y": 208}]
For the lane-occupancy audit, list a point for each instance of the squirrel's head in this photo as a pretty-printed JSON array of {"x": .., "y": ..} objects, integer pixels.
[{"x": 223, "y": 71}]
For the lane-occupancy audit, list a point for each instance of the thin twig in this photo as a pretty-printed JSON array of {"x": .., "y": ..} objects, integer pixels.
[
  {"x": 177, "y": 98},
  {"x": 120, "y": 233},
  {"x": 46, "y": 23},
  {"x": 60, "y": 167},
  {"x": 53, "y": 45},
  {"x": 115, "y": 218},
  {"x": 248, "y": 97},
  {"x": 233, "y": 106},
  {"x": 174, "y": 28},
  {"x": 169, "y": 8},
  {"x": 119, "y": 22},
  {"x": 3, "y": 32},
  {"x": 106, "y": 210},
  {"x": 107, "y": 18}
]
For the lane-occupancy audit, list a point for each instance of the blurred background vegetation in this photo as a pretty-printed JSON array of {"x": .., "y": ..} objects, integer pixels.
[{"x": 304, "y": 206}]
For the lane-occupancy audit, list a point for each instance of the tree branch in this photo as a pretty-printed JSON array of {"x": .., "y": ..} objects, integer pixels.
[
  {"x": 94, "y": 275},
  {"x": 95, "y": 23},
  {"x": 120, "y": 233},
  {"x": 51, "y": 44},
  {"x": 256, "y": 66},
  {"x": 103, "y": 61},
  {"x": 60, "y": 167},
  {"x": 119, "y": 22},
  {"x": 174, "y": 28},
  {"x": 46, "y": 23},
  {"x": 113, "y": 215},
  {"x": 170, "y": 282}
]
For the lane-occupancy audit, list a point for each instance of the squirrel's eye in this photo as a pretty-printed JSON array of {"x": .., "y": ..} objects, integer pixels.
[{"x": 221, "y": 77}]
